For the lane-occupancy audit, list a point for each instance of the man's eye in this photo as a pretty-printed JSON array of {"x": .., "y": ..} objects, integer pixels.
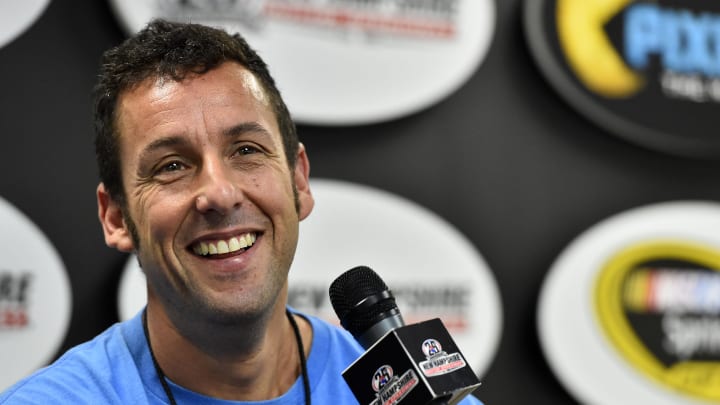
[
  {"x": 247, "y": 150},
  {"x": 171, "y": 167}
]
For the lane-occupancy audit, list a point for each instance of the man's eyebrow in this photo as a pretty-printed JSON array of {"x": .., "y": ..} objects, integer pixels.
[
  {"x": 246, "y": 127},
  {"x": 161, "y": 143},
  {"x": 171, "y": 141}
]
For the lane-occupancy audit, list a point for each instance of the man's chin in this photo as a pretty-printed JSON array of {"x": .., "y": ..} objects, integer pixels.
[{"x": 233, "y": 312}]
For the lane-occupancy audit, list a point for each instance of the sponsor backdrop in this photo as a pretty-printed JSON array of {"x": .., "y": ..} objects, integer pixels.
[
  {"x": 18, "y": 16},
  {"x": 541, "y": 175},
  {"x": 413, "y": 52},
  {"x": 34, "y": 296},
  {"x": 648, "y": 71},
  {"x": 642, "y": 293}
]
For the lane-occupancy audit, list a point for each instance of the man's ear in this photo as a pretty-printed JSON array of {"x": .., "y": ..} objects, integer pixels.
[
  {"x": 302, "y": 183},
  {"x": 117, "y": 233}
]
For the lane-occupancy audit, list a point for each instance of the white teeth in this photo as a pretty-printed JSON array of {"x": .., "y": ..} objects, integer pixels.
[
  {"x": 225, "y": 246},
  {"x": 234, "y": 244}
]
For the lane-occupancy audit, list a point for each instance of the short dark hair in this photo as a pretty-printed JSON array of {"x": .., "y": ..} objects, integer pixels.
[{"x": 165, "y": 49}]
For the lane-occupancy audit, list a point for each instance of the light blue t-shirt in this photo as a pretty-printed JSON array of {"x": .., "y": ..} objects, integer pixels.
[{"x": 116, "y": 368}]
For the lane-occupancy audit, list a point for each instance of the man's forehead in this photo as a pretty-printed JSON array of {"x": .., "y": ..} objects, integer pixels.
[
  {"x": 227, "y": 81},
  {"x": 230, "y": 71}
]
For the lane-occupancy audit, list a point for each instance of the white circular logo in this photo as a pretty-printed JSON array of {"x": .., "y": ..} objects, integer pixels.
[
  {"x": 35, "y": 297},
  {"x": 431, "y": 268},
  {"x": 351, "y": 61},
  {"x": 17, "y": 16},
  {"x": 610, "y": 307},
  {"x": 431, "y": 347},
  {"x": 382, "y": 376}
]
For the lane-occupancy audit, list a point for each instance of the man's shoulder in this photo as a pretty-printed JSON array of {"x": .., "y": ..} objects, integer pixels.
[
  {"x": 470, "y": 400},
  {"x": 333, "y": 337},
  {"x": 62, "y": 379},
  {"x": 81, "y": 374}
]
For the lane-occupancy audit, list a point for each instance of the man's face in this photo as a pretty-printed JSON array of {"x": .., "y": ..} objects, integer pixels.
[{"x": 209, "y": 192}]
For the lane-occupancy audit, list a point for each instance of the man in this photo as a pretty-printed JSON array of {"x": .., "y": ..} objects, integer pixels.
[{"x": 203, "y": 177}]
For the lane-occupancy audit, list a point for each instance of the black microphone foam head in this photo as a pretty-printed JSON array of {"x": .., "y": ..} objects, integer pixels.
[{"x": 361, "y": 299}]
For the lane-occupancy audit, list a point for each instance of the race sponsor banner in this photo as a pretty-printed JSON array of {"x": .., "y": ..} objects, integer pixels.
[
  {"x": 35, "y": 297},
  {"x": 633, "y": 304},
  {"x": 646, "y": 71},
  {"x": 342, "y": 62}
]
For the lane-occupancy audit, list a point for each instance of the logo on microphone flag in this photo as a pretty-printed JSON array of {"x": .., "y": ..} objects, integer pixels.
[
  {"x": 394, "y": 389},
  {"x": 382, "y": 376},
  {"x": 439, "y": 362},
  {"x": 431, "y": 347}
]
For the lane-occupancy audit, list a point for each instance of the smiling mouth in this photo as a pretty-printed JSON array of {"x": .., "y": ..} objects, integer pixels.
[{"x": 225, "y": 246}]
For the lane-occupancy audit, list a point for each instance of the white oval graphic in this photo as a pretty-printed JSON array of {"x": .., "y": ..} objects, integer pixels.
[
  {"x": 432, "y": 269},
  {"x": 35, "y": 297},
  {"x": 347, "y": 62},
  {"x": 575, "y": 345},
  {"x": 18, "y": 16}
]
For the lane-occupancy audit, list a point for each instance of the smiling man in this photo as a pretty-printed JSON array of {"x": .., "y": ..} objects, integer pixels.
[{"x": 204, "y": 179}]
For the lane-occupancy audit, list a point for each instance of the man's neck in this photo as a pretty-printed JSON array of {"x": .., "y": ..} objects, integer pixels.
[{"x": 238, "y": 362}]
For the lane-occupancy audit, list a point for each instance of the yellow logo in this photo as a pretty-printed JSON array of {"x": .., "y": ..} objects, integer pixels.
[
  {"x": 589, "y": 51},
  {"x": 669, "y": 289}
]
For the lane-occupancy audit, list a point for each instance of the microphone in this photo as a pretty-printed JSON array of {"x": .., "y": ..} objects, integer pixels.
[{"x": 402, "y": 364}]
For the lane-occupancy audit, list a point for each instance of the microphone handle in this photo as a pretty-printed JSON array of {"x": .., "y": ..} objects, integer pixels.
[{"x": 377, "y": 331}]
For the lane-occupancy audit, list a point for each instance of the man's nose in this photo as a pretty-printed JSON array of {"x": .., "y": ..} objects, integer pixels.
[{"x": 219, "y": 191}]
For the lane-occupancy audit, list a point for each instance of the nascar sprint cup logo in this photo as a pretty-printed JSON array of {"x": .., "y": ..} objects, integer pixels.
[
  {"x": 391, "y": 389},
  {"x": 439, "y": 362},
  {"x": 659, "y": 303}
]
